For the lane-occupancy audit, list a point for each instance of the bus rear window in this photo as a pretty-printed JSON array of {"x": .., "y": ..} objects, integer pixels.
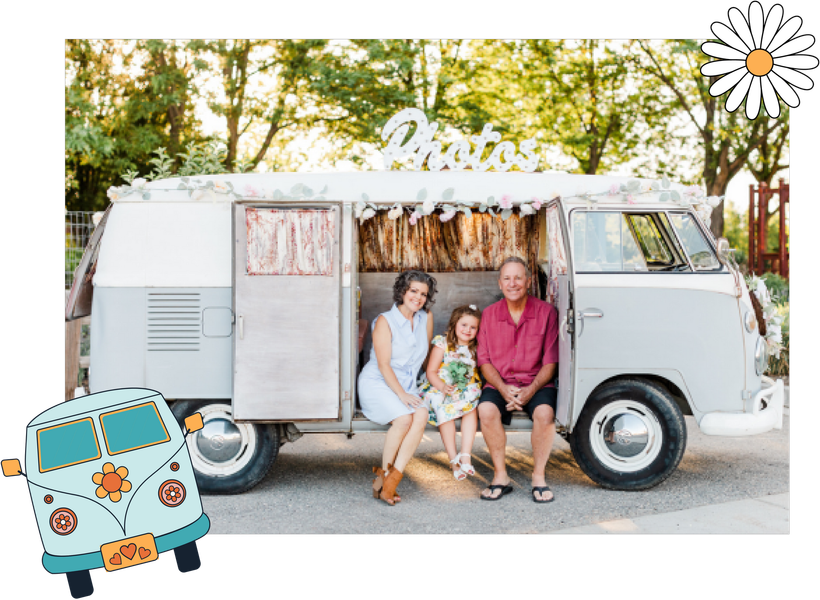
[
  {"x": 67, "y": 444},
  {"x": 132, "y": 428}
]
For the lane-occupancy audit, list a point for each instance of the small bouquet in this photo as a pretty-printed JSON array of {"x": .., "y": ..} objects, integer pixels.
[{"x": 458, "y": 368}]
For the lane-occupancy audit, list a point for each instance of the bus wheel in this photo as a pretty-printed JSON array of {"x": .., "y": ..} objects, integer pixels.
[
  {"x": 630, "y": 436},
  {"x": 228, "y": 457},
  {"x": 79, "y": 584},
  {"x": 187, "y": 557}
]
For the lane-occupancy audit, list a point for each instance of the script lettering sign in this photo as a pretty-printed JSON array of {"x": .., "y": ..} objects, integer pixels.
[{"x": 459, "y": 154}]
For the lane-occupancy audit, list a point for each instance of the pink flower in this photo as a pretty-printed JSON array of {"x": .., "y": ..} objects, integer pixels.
[
  {"x": 505, "y": 202},
  {"x": 414, "y": 218},
  {"x": 614, "y": 189},
  {"x": 251, "y": 192},
  {"x": 536, "y": 203},
  {"x": 630, "y": 199},
  {"x": 447, "y": 216}
]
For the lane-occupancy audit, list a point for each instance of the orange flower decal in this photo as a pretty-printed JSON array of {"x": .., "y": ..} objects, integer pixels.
[
  {"x": 111, "y": 482},
  {"x": 172, "y": 493},
  {"x": 63, "y": 521}
]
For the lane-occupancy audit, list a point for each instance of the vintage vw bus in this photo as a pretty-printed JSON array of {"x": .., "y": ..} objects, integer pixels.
[
  {"x": 112, "y": 485},
  {"x": 249, "y": 298}
]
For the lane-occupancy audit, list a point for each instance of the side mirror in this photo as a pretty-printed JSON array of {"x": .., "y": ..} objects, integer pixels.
[
  {"x": 723, "y": 249},
  {"x": 194, "y": 422},
  {"x": 11, "y": 467}
]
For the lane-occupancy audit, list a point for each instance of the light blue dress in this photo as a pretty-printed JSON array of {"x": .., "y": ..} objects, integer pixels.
[{"x": 408, "y": 350}]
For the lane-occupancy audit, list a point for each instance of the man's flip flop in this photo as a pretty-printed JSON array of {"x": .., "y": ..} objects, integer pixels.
[
  {"x": 505, "y": 489},
  {"x": 541, "y": 490}
]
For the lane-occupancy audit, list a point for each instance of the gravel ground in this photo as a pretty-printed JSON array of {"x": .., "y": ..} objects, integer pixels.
[{"x": 321, "y": 484}]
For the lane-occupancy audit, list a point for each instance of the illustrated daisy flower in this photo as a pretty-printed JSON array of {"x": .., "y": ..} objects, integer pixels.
[
  {"x": 111, "y": 482},
  {"x": 759, "y": 58}
]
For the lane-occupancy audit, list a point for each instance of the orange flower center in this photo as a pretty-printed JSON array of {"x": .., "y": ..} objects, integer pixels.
[
  {"x": 112, "y": 482},
  {"x": 759, "y": 62}
]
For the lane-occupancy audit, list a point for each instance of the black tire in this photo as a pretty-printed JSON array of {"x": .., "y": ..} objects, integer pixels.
[
  {"x": 242, "y": 464},
  {"x": 187, "y": 557},
  {"x": 79, "y": 584},
  {"x": 612, "y": 416}
]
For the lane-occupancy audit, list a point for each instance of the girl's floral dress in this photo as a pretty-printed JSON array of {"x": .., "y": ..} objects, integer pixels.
[{"x": 446, "y": 408}]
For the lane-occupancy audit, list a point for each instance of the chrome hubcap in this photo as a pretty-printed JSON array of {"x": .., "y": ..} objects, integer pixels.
[
  {"x": 222, "y": 447},
  {"x": 219, "y": 440},
  {"x": 625, "y": 435}
]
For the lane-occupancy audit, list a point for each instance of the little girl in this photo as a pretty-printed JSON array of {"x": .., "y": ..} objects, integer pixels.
[{"x": 449, "y": 402}]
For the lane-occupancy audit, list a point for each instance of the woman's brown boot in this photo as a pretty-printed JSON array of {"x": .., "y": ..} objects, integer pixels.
[
  {"x": 391, "y": 480},
  {"x": 378, "y": 483}
]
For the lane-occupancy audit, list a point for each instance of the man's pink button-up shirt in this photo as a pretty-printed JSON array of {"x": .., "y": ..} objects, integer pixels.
[{"x": 519, "y": 351}]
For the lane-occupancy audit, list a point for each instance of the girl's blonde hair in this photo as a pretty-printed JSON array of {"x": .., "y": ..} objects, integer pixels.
[{"x": 452, "y": 340}]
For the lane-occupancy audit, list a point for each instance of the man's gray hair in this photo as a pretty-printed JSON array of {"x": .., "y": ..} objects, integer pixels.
[{"x": 515, "y": 259}]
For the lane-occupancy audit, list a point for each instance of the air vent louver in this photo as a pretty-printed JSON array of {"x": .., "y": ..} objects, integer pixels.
[{"x": 174, "y": 322}]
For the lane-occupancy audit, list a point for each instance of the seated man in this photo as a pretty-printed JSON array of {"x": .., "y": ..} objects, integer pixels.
[{"x": 518, "y": 356}]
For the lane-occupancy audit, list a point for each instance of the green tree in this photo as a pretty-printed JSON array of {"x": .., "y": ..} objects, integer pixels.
[{"x": 725, "y": 140}]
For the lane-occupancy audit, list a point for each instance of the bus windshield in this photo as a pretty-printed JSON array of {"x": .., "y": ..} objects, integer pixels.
[
  {"x": 67, "y": 444},
  {"x": 132, "y": 428}
]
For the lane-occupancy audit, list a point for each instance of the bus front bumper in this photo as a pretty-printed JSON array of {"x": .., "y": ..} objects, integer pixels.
[
  {"x": 755, "y": 419},
  {"x": 94, "y": 560}
]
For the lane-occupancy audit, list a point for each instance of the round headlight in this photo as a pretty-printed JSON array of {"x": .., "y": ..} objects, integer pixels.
[
  {"x": 750, "y": 321},
  {"x": 172, "y": 493},
  {"x": 761, "y": 357},
  {"x": 63, "y": 521}
]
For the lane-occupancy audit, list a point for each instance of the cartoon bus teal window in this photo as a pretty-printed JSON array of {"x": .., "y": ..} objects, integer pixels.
[
  {"x": 67, "y": 444},
  {"x": 132, "y": 428}
]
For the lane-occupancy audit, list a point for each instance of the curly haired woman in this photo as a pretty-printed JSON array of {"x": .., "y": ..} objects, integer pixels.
[{"x": 387, "y": 383}]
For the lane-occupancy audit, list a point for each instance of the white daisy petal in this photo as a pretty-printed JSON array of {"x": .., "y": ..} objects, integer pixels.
[
  {"x": 773, "y": 20},
  {"x": 796, "y": 78},
  {"x": 716, "y": 50},
  {"x": 797, "y": 61},
  {"x": 741, "y": 27},
  {"x": 770, "y": 101},
  {"x": 753, "y": 99},
  {"x": 785, "y": 33},
  {"x": 756, "y": 22},
  {"x": 721, "y": 67},
  {"x": 784, "y": 90},
  {"x": 794, "y": 46},
  {"x": 728, "y": 36},
  {"x": 724, "y": 84},
  {"x": 739, "y": 93}
]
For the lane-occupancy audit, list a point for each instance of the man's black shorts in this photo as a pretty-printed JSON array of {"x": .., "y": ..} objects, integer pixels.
[{"x": 546, "y": 395}]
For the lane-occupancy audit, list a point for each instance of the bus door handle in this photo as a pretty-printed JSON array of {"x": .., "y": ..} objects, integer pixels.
[
  {"x": 241, "y": 327},
  {"x": 588, "y": 313}
]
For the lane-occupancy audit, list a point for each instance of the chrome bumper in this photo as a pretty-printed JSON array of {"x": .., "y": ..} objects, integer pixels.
[{"x": 755, "y": 419}]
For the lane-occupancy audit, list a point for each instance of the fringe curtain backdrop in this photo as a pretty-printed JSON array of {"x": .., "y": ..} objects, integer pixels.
[
  {"x": 479, "y": 242},
  {"x": 289, "y": 242}
]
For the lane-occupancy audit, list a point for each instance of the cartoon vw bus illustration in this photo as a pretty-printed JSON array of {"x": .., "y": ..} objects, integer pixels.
[{"x": 112, "y": 484}]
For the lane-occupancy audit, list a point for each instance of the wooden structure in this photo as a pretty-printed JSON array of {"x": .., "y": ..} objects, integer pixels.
[{"x": 758, "y": 212}]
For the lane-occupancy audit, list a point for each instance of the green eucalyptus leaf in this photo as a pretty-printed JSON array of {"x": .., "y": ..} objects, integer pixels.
[
  {"x": 422, "y": 195},
  {"x": 467, "y": 212},
  {"x": 324, "y": 190},
  {"x": 483, "y": 208},
  {"x": 296, "y": 190},
  {"x": 664, "y": 197},
  {"x": 365, "y": 197},
  {"x": 633, "y": 185},
  {"x": 277, "y": 194},
  {"x": 307, "y": 192},
  {"x": 146, "y": 196},
  {"x": 447, "y": 195},
  {"x": 675, "y": 195},
  {"x": 230, "y": 185},
  {"x": 491, "y": 201},
  {"x": 665, "y": 182},
  {"x": 182, "y": 186},
  {"x": 506, "y": 214}
]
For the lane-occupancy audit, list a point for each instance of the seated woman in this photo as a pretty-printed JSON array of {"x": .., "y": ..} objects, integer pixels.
[{"x": 387, "y": 383}]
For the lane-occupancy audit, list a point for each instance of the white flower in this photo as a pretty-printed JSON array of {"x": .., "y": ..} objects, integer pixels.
[
  {"x": 368, "y": 213},
  {"x": 138, "y": 183},
  {"x": 221, "y": 187},
  {"x": 395, "y": 212},
  {"x": 527, "y": 209},
  {"x": 113, "y": 194},
  {"x": 714, "y": 201},
  {"x": 428, "y": 206},
  {"x": 446, "y": 216},
  {"x": 197, "y": 195},
  {"x": 96, "y": 218},
  {"x": 760, "y": 58}
]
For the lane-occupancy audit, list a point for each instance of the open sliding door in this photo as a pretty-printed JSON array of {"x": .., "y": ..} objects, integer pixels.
[{"x": 287, "y": 286}]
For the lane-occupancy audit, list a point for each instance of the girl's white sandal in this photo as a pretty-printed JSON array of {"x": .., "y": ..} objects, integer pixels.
[
  {"x": 459, "y": 474},
  {"x": 468, "y": 469}
]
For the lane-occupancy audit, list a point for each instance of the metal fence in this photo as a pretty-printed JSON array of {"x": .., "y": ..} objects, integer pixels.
[{"x": 78, "y": 229}]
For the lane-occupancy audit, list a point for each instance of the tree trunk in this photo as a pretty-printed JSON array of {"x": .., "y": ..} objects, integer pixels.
[{"x": 718, "y": 188}]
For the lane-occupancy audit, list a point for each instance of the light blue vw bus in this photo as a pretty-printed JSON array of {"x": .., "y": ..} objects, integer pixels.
[{"x": 112, "y": 484}]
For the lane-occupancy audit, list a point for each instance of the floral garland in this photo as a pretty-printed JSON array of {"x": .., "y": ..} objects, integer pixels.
[
  {"x": 693, "y": 195},
  {"x": 198, "y": 189},
  {"x": 774, "y": 336}
]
